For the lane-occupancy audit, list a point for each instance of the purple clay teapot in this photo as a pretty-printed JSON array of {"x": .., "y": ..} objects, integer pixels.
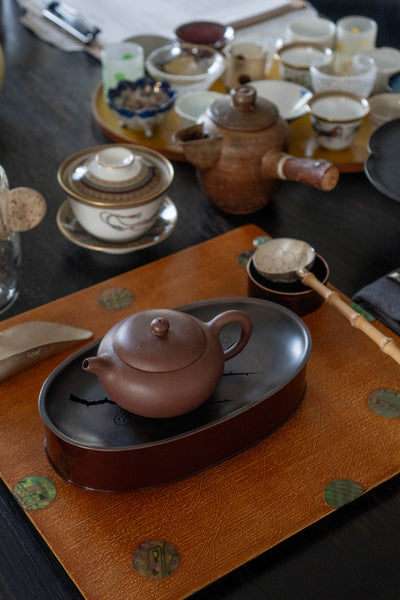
[{"x": 163, "y": 363}]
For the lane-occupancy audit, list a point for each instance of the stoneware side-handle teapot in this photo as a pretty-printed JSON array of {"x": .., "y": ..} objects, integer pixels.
[
  {"x": 239, "y": 149},
  {"x": 163, "y": 363}
]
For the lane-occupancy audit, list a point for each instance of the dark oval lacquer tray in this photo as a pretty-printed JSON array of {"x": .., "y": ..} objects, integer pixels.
[
  {"x": 381, "y": 166},
  {"x": 93, "y": 443}
]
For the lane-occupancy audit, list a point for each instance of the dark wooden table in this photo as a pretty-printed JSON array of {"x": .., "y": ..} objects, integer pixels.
[{"x": 45, "y": 115}]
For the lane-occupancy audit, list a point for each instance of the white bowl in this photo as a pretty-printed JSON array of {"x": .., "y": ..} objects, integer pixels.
[
  {"x": 358, "y": 77},
  {"x": 290, "y": 98},
  {"x": 185, "y": 67},
  {"x": 193, "y": 104},
  {"x": 296, "y": 58},
  {"x": 312, "y": 29},
  {"x": 115, "y": 192},
  {"x": 336, "y": 117},
  {"x": 384, "y": 107}
]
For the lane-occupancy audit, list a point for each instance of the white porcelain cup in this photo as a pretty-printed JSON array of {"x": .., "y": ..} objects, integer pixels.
[
  {"x": 296, "y": 58},
  {"x": 387, "y": 61},
  {"x": 312, "y": 29},
  {"x": 119, "y": 62},
  {"x": 336, "y": 117},
  {"x": 355, "y": 34},
  {"x": 384, "y": 107}
]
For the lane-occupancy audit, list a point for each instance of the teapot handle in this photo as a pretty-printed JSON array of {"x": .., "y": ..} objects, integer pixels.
[
  {"x": 320, "y": 173},
  {"x": 233, "y": 316}
]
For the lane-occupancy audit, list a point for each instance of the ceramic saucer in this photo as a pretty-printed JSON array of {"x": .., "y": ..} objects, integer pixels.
[{"x": 162, "y": 228}]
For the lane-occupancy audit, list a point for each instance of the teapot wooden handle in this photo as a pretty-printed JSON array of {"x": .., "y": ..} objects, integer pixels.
[
  {"x": 319, "y": 173},
  {"x": 246, "y": 326}
]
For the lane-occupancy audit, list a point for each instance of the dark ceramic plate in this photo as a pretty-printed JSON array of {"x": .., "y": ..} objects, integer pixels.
[
  {"x": 94, "y": 443},
  {"x": 382, "y": 165}
]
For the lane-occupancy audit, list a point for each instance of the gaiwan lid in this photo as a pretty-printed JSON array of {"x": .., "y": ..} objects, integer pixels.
[
  {"x": 115, "y": 175},
  {"x": 243, "y": 110},
  {"x": 159, "y": 340}
]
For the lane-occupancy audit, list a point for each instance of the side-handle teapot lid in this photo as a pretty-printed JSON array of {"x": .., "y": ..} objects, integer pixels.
[
  {"x": 243, "y": 110},
  {"x": 159, "y": 340}
]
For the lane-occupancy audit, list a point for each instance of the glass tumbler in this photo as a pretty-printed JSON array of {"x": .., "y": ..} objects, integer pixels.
[{"x": 10, "y": 253}]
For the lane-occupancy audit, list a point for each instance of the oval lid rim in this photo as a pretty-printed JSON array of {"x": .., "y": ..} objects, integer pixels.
[{"x": 182, "y": 345}]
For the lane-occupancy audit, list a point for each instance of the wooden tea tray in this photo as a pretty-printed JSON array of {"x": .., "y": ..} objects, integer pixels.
[
  {"x": 220, "y": 518},
  {"x": 301, "y": 141}
]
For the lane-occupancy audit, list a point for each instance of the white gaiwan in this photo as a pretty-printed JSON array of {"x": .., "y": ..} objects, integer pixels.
[{"x": 116, "y": 191}]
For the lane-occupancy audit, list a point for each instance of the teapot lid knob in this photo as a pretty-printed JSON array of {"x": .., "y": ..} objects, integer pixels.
[
  {"x": 244, "y": 97},
  {"x": 159, "y": 326}
]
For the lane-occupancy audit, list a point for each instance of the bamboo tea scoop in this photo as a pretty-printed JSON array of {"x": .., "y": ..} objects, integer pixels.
[
  {"x": 21, "y": 209},
  {"x": 286, "y": 259}
]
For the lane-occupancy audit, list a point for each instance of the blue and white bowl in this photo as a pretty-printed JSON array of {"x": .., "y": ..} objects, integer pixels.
[{"x": 142, "y": 104}]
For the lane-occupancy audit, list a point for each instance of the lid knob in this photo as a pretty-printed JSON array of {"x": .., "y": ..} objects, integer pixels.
[
  {"x": 116, "y": 157},
  {"x": 244, "y": 97},
  {"x": 160, "y": 326}
]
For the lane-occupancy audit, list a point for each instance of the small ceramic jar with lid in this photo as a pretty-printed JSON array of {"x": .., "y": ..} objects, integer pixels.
[{"x": 116, "y": 191}]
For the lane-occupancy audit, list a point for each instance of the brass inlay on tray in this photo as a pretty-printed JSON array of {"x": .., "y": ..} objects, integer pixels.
[
  {"x": 115, "y": 298},
  {"x": 385, "y": 403},
  {"x": 342, "y": 491},
  {"x": 155, "y": 559},
  {"x": 34, "y": 492}
]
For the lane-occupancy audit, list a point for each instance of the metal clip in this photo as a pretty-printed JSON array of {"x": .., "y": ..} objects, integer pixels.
[
  {"x": 394, "y": 276},
  {"x": 71, "y": 21}
]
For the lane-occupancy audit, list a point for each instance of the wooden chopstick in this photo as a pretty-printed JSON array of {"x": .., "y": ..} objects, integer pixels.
[{"x": 269, "y": 14}]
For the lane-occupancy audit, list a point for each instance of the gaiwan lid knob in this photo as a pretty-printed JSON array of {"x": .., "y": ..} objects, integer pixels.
[
  {"x": 116, "y": 163},
  {"x": 159, "y": 340},
  {"x": 243, "y": 110}
]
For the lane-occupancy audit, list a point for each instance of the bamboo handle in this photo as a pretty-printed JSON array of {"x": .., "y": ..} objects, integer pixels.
[{"x": 386, "y": 344}]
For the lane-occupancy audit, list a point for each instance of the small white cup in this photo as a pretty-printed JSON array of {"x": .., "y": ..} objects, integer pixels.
[
  {"x": 312, "y": 29},
  {"x": 336, "y": 117},
  {"x": 384, "y": 107},
  {"x": 296, "y": 58},
  {"x": 355, "y": 34},
  {"x": 119, "y": 62},
  {"x": 387, "y": 62}
]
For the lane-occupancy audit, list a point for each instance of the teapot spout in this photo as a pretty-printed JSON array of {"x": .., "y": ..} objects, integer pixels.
[
  {"x": 97, "y": 364},
  {"x": 200, "y": 149}
]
